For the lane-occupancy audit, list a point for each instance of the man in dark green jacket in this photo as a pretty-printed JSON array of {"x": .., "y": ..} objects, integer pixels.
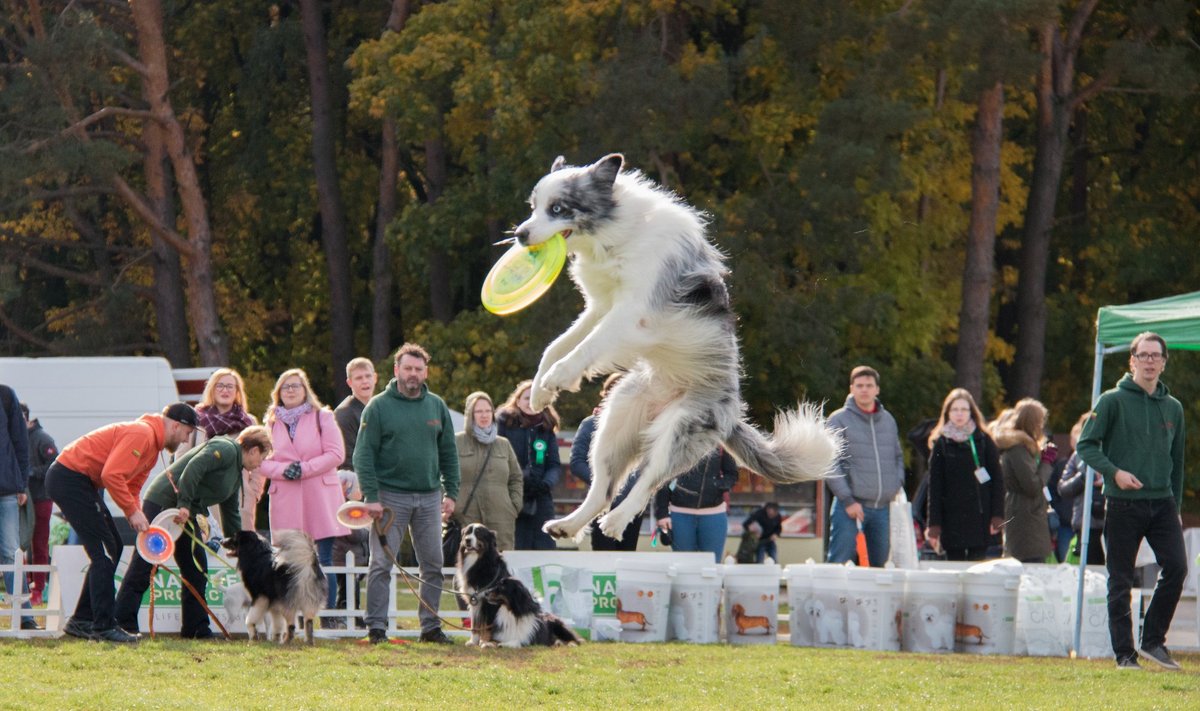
[
  {"x": 406, "y": 460},
  {"x": 1135, "y": 439},
  {"x": 208, "y": 475}
]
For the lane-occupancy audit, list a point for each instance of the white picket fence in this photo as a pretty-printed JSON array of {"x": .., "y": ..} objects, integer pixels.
[{"x": 10, "y": 616}]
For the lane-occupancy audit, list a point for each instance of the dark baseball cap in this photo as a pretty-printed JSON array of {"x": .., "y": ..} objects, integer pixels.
[{"x": 182, "y": 413}]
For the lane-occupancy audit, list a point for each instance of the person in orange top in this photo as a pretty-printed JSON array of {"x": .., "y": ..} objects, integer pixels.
[{"x": 115, "y": 458}]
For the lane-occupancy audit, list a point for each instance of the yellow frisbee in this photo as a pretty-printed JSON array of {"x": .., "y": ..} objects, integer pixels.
[{"x": 522, "y": 275}]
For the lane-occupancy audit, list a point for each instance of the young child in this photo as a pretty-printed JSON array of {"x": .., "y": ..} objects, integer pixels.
[{"x": 356, "y": 542}]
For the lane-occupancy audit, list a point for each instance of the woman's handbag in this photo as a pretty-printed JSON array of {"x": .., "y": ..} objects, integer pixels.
[{"x": 451, "y": 530}]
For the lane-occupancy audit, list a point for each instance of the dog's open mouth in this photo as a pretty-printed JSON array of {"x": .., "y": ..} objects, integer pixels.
[{"x": 565, "y": 233}]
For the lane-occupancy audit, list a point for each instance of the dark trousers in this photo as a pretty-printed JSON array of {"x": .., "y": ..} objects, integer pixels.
[
  {"x": 627, "y": 542},
  {"x": 1126, "y": 523},
  {"x": 968, "y": 553},
  {"x": 192, "y": 559},
  {"x": 83, "y": 507}
]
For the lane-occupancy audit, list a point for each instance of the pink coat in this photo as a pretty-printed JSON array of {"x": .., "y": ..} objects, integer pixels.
[{"x": 309, "y": 503}]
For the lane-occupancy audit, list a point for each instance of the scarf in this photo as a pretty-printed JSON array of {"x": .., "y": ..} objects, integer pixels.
[
  {"x": 530, "y": 421},
  {"x": 485, "y": 436},
  {"x": 955, "y": 434},
  {"x": 291, "y": 417},
  {"x": 215, "y": 423}
]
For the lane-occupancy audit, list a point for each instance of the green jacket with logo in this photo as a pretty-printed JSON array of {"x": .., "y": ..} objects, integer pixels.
[
  {"x": 208, "y": 475},
  {"x": 1139, "y": 432},
  {"x": 406, "y": 445}
]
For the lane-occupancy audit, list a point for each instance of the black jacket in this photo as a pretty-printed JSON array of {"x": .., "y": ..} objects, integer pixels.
[
  {"x": 770, "y": 526},
  {"x": 959, "y": 506},
  {"x": 14, "y": 445},
  {"x": 701, "y": 487},
  {"x": 42, "y": 453},
  {"x": 539, "y": 478},
  {"x": 1071, "y": 486}
]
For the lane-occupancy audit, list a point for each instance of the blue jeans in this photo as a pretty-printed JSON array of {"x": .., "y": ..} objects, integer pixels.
[
  {"x": 766, "y": 548},
  {"x": 843, "y": 530},
  {"x": 699, "y": 532},
  {"x": 10, "y": 540},
  {"x": 325, "y": 557}
]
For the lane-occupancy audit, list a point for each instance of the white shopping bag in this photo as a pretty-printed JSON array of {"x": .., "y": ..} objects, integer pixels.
[{"x": 903, "y": 537}]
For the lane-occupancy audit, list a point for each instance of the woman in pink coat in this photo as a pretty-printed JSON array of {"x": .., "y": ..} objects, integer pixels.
[{"x": 304, "y": 487}]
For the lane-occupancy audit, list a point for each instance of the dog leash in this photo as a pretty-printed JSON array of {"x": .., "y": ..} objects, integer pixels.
[{"x": 382, "y": 524}]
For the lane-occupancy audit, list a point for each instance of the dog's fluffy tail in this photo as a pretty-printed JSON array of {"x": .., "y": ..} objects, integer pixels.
[
  {"x": 802, "y": 448},
  {"x": 560, "y": 633},
  {"x": 296, "y": 551}
]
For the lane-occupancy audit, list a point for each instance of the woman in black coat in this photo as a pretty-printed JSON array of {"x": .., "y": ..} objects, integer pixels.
[
  {"x": 966, "y": 485},
  {"x": 534, "y": 438}
]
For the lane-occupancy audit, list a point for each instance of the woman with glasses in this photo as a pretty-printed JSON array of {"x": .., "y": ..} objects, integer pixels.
[
  {"x": 223, "y": 412},
  {"x": 305, "y": 491}
]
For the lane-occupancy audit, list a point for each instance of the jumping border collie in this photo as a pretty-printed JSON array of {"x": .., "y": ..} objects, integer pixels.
[
  {"x": 479, "y": 567},
  {"x": 656, "y": 306},
  {"x": 283, "y": 578},
  {"x": 520, "y": 620}
]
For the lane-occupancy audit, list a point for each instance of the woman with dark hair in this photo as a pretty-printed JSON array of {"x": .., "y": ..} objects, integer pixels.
[
  {"x": 1027, "y": 460},
  {"x": 966, "y": 481},
  {"x": 534, "y": 439}
]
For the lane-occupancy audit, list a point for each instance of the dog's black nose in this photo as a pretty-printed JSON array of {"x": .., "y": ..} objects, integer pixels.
[{"x": 522, "y": 235}]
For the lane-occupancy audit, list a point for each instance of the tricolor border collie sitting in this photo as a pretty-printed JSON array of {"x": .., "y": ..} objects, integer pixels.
[
  {"x": 656, "y": 305},
  {"x": 479, "y": 567},
  {"x": 283, "y": 579},
  {"x": 520, "y": 620}
]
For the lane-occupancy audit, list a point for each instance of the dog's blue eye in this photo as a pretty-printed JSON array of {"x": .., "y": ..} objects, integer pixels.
[{"x": 556, "y": 209}]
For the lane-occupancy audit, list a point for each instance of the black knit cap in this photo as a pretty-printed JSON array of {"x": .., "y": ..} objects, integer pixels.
[{"x": 182, "y": 413}]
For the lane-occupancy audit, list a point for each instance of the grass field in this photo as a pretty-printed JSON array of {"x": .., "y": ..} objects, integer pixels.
[{"x": 174, "y": 674}]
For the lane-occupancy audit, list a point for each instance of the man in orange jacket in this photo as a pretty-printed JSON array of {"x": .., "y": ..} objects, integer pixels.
[{"x": 116, "y": 458}]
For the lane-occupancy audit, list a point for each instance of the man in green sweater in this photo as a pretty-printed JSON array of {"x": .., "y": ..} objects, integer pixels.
[
  {"x": 208, "y": 475},
  {"x": 1135, "y": 439},
  {"x": 407, "y": 461}
]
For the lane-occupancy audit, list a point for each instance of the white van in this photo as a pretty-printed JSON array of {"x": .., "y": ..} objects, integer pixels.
[{"x": 73, "y": 396}]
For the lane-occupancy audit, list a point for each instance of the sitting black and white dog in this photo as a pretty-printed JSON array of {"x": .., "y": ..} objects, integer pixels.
[
  {"x": 480, "y": 566},
  {"x": 520, "y": 620},
  {"x": 282, "y": 578}
]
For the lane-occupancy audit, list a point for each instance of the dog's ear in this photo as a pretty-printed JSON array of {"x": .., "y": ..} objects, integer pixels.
[
  {"x": 558, "y": 164},
  {"x": 605, "y": 170}
]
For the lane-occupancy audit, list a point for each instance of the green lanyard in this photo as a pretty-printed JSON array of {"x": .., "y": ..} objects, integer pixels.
[{"x": 974, "y": 454}]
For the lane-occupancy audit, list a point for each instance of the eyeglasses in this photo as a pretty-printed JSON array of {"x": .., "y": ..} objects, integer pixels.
[
  {"x": 292, "y": 386},
  {"x": 1149, "y": 357},
  {"x": 225, "y": 386}
]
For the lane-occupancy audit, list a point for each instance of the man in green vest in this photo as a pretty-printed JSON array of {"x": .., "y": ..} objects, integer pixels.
[{"x": 208, "y": 475}]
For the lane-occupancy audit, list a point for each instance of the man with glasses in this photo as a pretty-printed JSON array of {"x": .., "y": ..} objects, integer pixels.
[{"x": 1135, "y": 439}]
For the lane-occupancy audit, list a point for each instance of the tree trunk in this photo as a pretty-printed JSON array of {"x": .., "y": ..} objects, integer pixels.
[
  {"x": 170, "y": 311},
  {"x": 381, "y": 266},
  {"x": 201, "y": 303},
  {"x": 974, "y": 318},
  {"x": 329, "y": 196},
  {"x": 441, "y": 301},
  {"x": 381, "y": 254},
  {"x": 1052, "y": 123}
]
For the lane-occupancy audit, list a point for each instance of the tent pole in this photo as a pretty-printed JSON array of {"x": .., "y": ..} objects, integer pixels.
[{"x": 1086, "y": 526}]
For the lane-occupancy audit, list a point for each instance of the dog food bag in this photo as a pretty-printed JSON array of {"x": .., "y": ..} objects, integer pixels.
[
  {"x": 873, "y": 600},
  {"x": 695, "y": 609},
  {"x": 930, "y": 610},
  {"x": 643, "y": 600},
  {"x": 751, "y": 603},
  {"x": 562, "y": 590}
]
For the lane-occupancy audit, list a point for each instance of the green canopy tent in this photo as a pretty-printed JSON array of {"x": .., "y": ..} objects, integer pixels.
[{"x": 1177, "y": 320}]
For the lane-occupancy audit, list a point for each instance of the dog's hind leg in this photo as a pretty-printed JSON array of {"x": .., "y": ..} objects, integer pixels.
[
  {"x": 615, "y": 449},
  {"x": 680, "y": 436}
]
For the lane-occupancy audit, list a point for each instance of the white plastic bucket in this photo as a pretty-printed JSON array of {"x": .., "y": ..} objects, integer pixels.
[
  {"x": 825, "y": 611},
  {"x": 800, "y": 594},
  {"x": 643, "y": 597},
  {"x": 873, "y": 601},
  {"x": 751, "y": 603},
  {"x": 930, "y": 610},
  {"x": 695, "y": 610},
  {"x": 987, "y": 619}
]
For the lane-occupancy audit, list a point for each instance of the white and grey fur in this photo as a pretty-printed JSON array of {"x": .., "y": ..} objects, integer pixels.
[
  {"x": 657, "y": 307},
  {"x": 283, "y": 579}
]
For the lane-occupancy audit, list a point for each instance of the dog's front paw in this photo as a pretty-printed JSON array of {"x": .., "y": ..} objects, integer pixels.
[
  {"x": 488, "y": 645},
  {"x": 561, "y": 528},
  {"x": 561, "y": 377},
  {"x": 540, "y": 397},
  {"x": 613, "y": 523}
]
